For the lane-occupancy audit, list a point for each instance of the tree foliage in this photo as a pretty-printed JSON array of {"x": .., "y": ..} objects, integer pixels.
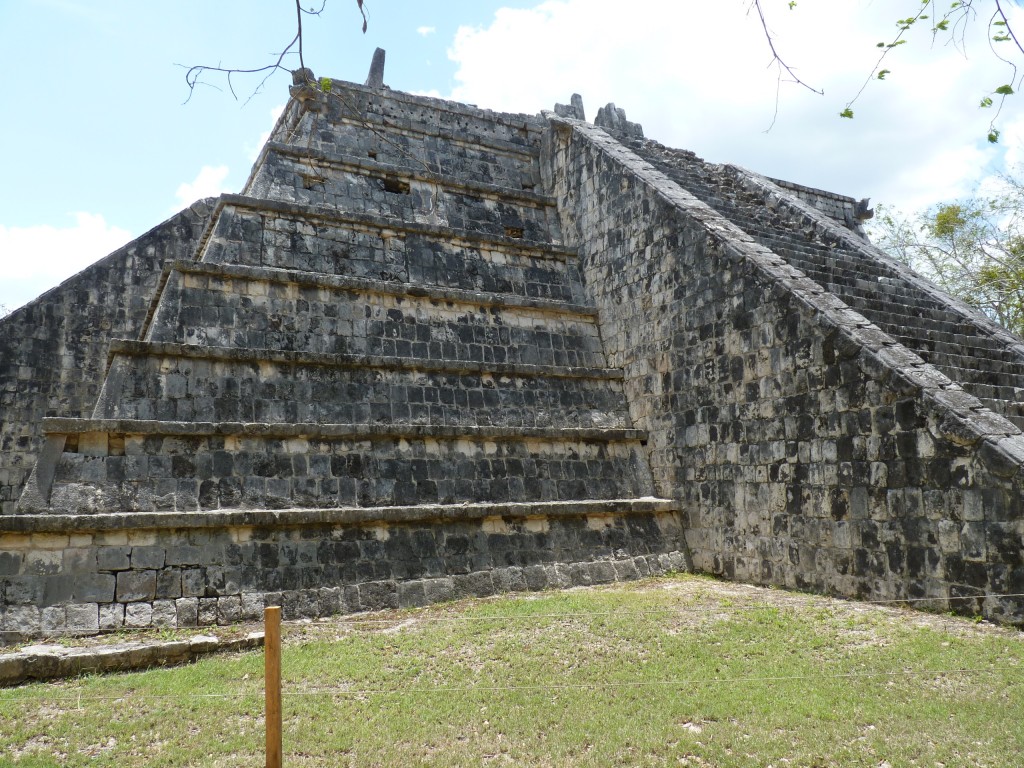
[
  {"x": 943, "y": 23},
  {"x": 972, "y": 248}
]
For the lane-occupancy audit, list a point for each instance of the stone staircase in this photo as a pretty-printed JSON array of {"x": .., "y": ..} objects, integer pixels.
[
  {"x": 384, "y": 317},
  {"x": 958, "y": 342}
]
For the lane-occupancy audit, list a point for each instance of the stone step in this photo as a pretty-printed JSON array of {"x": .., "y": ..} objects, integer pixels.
[
  {"x": 940, "y": 344},
  {"x": 878, "y": 291},
  {"x": 980, "y": 370},
  {"x": 124, "y": 465},
  {"x": 1012, "y": 411},
  {"x": 984, "y": 391},
  {"x": 170, "y": 383},
  {"x": 342, "y": 516},
  {"x": 370, "y": 187},
  {"x": 257, "y": 233},
  {"x": 367, "y": 187},
  {"x": 261, "y": 308},
  {"x": 968, "y": 377},
  {"x": 396, "y": 288},
  {"x": 59, "y": 425},
  {"x": 419, "y": 119},
  {"x": 481, "y": 176}
]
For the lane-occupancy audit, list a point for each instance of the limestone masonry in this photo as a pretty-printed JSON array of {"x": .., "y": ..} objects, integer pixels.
[{"x": 433, "y": 351}]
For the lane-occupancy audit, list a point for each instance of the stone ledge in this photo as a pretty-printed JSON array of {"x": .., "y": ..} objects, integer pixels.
[
  {"x": 55, "y": 523},
  {"x": 65, "y": 426},
  {"x": 384, "y": 287},
  {"x": 133, "y": 348},
  {"x": 531, "y": 123},
  {"x": 416, "y": 130},
  {"x": 295, "y": 110},
  {"x": 49, "y": 662},
  {"x": 371, "y": 167},
  {"x": 355, "y": 221}
]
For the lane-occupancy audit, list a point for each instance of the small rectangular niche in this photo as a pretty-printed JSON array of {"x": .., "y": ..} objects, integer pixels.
[{"x": 396, "y": 185}]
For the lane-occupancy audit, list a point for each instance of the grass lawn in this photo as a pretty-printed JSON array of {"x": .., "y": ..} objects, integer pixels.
[{"x": 679, "y": 671}]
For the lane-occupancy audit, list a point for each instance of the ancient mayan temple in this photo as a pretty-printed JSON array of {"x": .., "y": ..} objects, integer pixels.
[{"x": 432, "y": 351}]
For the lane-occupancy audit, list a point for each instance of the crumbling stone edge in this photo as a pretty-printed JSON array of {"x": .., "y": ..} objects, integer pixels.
[{"x": 52, "y": 662}]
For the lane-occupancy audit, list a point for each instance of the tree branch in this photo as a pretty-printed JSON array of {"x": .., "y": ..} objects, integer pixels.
[{"x": 194, "y": 73}]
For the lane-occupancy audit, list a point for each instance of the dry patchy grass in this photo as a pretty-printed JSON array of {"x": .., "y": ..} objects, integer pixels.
[{"x": 683, "y": 671}]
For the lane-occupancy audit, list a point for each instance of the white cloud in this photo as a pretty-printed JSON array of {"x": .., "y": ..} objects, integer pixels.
[
  {"x": 696, "y": 76},
  {"x": 425, "y": 31},
  {"x": 209, "y": 182},
  {"x": 35, "y": 259}
]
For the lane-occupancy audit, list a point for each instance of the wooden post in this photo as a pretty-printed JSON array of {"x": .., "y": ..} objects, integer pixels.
[{"x": 272, "y": 683}]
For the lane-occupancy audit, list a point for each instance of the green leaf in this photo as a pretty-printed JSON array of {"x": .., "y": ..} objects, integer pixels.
[
  {"x": 986, "y": 102},
  {"x": 847, "y": 113},
  {"x": 1004, "y": 90},
  {"x": 942, "y": 26},
  {"x": 882, "y": 73},
  {"x": 993, "y": 136},
  {"x": 325, "y": 84},
  {"x": 792, "y": 4},
  {"x": 898, "y": 42}
]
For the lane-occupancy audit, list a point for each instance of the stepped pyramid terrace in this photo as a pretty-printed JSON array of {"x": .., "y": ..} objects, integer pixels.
[{"x": 432, "y": 351}]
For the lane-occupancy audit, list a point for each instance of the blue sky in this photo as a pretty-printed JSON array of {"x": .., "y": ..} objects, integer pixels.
[{"x": 99, "y": 146}]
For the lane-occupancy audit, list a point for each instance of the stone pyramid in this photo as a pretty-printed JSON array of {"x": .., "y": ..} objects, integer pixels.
[{"x": 432, "y": 351}]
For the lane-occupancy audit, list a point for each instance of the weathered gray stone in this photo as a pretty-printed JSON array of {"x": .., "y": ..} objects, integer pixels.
[
  {"x": 229, "y": 609},
  {"x": 252, "y": 606},
  {"x": 165, "y": 613},
  {"x": 113, "y": 558},
  {"x": 147, "y": 558},
  {"x": 134, "y": 586},
  {"x": 83, "y": 617},
  {"x": 21, "y": 620},
  {"x": 375, "y": 79},
  {"x": 138, "y": 615},
  {"x": 207, "y": 611},
  {"x": 614, "y": 120},
  {"x": 111, "y": 616},
  {"x": 187, "y": 611},
  {"x": 53, "y": 619},
  {"x": 94, "y": 587}
]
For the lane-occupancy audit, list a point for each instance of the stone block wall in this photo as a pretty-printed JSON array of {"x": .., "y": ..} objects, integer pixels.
[
  {"x": 73, "y": 574},
  {"x": 326, "y": 466},
  {"x": 808, "y": 449},
  {"x": 53, "y": 351},
  {"x": 263, "y": 309},
  {"x": 324, "y": 241}
]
